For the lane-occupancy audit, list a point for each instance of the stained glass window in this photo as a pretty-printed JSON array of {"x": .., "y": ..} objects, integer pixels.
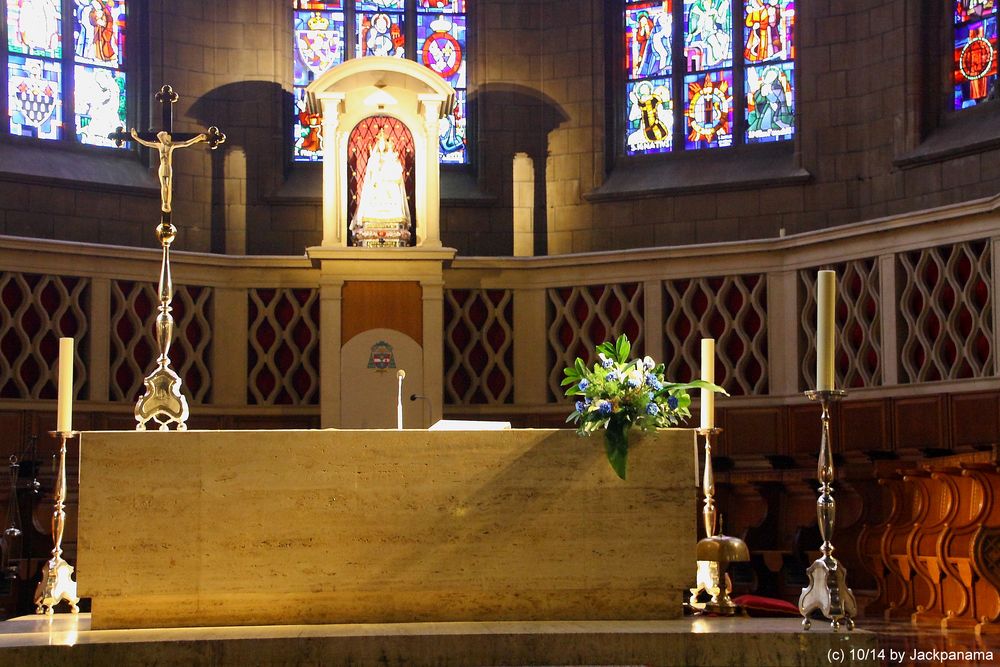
[
  {"x": 721, "y": 72},
  {"x": 325, "y": 33},
  {"x": 44, "y": 65},
  {"x": 975, "y": 56}
]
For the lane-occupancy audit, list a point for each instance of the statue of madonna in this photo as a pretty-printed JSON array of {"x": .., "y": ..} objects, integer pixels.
[{"x": 382, "y": 218}]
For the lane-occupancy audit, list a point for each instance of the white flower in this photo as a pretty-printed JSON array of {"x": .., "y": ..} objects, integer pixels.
[
  {"x": 648, "y": 363},
  {"x": 634, "y": 378}
]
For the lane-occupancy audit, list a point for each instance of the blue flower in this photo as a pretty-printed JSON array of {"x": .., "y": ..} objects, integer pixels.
[
  {"x": 612, "y": 376},
  {"x": 632, "y": 381},
  {"x": 583, "y": 385},
  {"x": 580, "y": 406},
  {"x": 653, "y": 382},
  {"x": 653, "y": 409},
  {"x": 672, "y": 402},
  {"x": 607, "y": 362},
  {"x": 604, "y": 407}
]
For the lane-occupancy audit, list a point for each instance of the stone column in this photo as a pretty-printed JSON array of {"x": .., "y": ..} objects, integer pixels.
[{"x": 334, "y": 171}]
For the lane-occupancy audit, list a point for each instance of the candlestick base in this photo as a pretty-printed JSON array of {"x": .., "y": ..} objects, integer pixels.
[
  {"x": 56, "y": 585},
  {"x": 163, "y": 403},
  {"x": 829, "y": 594}
]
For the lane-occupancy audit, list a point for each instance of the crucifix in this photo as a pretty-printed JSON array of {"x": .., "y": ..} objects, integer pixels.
[{"x": 162, "y": 401}]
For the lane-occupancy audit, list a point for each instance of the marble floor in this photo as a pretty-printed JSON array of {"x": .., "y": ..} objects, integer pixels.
[
  {"x": 904, "y": 638},
  {"x": 68, "y": 640}
]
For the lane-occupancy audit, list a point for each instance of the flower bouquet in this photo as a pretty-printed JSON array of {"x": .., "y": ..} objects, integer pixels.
[{"x": 619, "y": 393}]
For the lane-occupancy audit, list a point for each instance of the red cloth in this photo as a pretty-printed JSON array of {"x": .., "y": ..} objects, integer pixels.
[{"x": 756, "y": 605}]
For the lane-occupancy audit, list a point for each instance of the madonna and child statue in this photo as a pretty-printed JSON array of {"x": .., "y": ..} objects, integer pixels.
[{"x": 382, "y": 218}]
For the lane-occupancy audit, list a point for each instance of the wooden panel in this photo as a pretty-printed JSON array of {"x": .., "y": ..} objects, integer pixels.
[
  {"x": 382, "y": 305},
  {"x": 864, "y": 426},
  {"x": 975, "y": 419},
  {"x": 754, "y": 431},
  {"x": 263, "y": 527},
  {"x": 804, "y": 429},
  {"x": 11, "y": 431},
  {"x": 919, "y": 423}
]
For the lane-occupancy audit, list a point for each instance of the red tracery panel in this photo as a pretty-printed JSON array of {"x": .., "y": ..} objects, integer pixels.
[
  {"x": 580, "y": 318},
  {"x": 283, "y": 347},
  {"x": 35, "y": 311},
  {"x": 479, "y": 346},
  {"x": 730, "y": 309}
]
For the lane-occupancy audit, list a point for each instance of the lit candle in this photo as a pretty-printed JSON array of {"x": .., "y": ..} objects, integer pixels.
[
  {"x": 708, "y": 375},
  {"x": 64, "y": 407},
  {"x": 399, "y": 399},
  {"x": 826, "y": 336}
]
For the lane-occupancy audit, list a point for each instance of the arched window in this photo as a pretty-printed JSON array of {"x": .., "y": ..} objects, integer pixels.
[
  {"x": 65, "y": 69},
  {"x": 975, "y": 37},
  {"x": 685, "y": 90},
  {"x": 432, "y": 32}
]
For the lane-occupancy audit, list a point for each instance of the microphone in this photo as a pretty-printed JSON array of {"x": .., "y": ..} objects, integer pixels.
[
  {"x": 418, "y": 397},
  {"x": 399, "y": 400}
]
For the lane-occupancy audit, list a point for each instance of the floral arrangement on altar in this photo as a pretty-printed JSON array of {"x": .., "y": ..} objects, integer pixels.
[{"x": 619, "y": 393}]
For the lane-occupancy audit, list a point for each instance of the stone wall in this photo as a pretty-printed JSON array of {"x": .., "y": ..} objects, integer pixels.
[{"x": 874, "y": 136}]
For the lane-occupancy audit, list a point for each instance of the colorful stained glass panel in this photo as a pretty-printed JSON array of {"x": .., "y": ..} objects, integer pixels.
[
  {"x": 99, "y": 32},
  {"x": 453, "y": 140},
  {"x": 648, "y": 39},
  {"x": 447, "y": 6},
  {"x": 973, "y": 10},
  {"x": 319, "y": 44},
  {"x": 317, "y": 6},
  {"x": 380, "y": 34},
  {"x": 34, "y": 27},
  {"x": 708, "y": 34},
  {"x": 768, "y": 30},
  {"x": 441, "y": 46},
  {"x": 770, "y": 112},
  {"x": 34, "y": 97},
  {"x": 381, "y": 5},
  {"x": 99, "y": 98},
  {"x": 975, "y": 61},
  {"x": 308, "y": 131},
  {"x": 709, "y": 110},
  {"x": 649, "y": 117}
]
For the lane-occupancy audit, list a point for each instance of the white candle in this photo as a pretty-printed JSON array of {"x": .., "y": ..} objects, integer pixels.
[
  {"x": 64, "y": 407},
  {"x": 826, "y": 336},
  {"x": 399, "y": 399},
  {"x": 708, "y": 375}
]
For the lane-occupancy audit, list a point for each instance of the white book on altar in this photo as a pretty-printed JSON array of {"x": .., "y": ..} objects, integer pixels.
[{"x": 468, "y": 425}]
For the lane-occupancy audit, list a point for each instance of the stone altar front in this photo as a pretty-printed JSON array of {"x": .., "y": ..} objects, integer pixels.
[{"x": 205, "y": 528}]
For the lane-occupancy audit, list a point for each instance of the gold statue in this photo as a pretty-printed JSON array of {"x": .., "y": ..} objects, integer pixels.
[{"x": 166, "y": 146}]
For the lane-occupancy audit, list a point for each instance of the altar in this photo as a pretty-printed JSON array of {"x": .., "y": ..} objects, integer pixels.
[{"x": 217, "y": 528}]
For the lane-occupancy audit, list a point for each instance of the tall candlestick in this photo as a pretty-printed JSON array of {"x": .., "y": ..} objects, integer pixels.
[
  {"x": 708, "y": 375},
  {"x": 826, "y": 336},
  {"x": 64, "y": 407},
  {"x": 399, "y": 399}
]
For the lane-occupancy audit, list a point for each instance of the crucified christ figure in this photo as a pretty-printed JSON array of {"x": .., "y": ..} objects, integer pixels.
[{"x": 166, "y": 146}]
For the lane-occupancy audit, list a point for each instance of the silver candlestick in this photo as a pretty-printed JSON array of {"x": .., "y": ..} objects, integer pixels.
[
  {"x": 57, "y": 575},
  {"x": 827, "y": 591}
]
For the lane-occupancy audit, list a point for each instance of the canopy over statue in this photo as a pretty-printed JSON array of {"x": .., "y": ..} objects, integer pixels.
[{"x": 391, "y": 204}]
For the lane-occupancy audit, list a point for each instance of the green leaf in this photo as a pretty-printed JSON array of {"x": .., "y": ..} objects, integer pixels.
[{"x": 622, "y": 349}]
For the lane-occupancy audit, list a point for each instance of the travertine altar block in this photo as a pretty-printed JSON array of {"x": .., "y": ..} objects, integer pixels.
[{"x": 269, "y": 527}]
